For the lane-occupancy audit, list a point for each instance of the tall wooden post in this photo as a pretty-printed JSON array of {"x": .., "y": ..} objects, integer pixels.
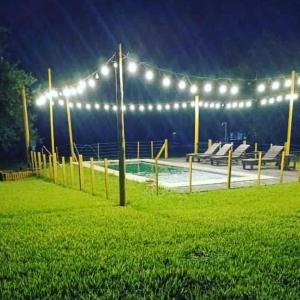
[
  {"x": 196, "y": 140},
  {"x": 291, "y": 108},
  {"x": 152, "y": 150},
  {"x": 51, "y": 112},
  {"x": 70, "y": 129},
  {"x": 121, "y": 131},
  {"x": 26, "y": 124}
]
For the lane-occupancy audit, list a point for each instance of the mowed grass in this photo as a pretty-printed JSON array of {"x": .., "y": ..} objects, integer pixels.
[{"x": 61, "y": 243}]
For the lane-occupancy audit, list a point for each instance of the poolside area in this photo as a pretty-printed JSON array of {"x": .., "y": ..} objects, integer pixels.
[{"x": 174, "y": 174}]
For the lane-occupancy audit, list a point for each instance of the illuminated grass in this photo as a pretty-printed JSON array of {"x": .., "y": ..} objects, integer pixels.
[{"x": 63, "y": 243}]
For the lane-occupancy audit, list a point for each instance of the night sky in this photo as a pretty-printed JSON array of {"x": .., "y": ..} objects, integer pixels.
[{"x": 246, "y": 39}]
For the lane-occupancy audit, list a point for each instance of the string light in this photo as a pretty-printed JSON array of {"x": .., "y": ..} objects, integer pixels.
[
  {"x": 159, "y": 107},
  {"x": 104, "y": 70},
  {"x": 92, "y": 83},
  {"x": 181, "y": 84},
  {"x": 61, "y": 102},
  {"x": 193, "y": 89},
  {"x": 106, "y": 107},
  {"x": 97, "y": 106},
  {"x": 261, "y": 87},
  {"x": 97, "y": 76},
  {"x": 234, "y": 90},
  {"x": 66, "y": 92},
  {"x": 114, "y": 108},
  {"x": 176, "y": 106},
  {"x": 275, "y": 85},
  {"x": 132, "y": 67},
  {"x": 166, "y": 81},
  {"x": 71, "y": 104},
  {"x": 223, "y": 89},
  {"x": 141, "y": 107},
  {"x": 184, "y": 105},
  {"x": 150, "y": 107},
  {"x": 207, "y": 87},
  {"x": 132, "y": 107},
  {"x": 287, "y": 83},
  {"x": 149, "y": 75},
  {"x": 115, "y": 64},
  {"x": 167, "y": 106},
  {"x": 41, "y": 101},
  {"x": 78, "y": 105},
  {"x": 88, "y": 106}
]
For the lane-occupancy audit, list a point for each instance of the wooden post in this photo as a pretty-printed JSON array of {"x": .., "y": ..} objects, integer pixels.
[
  {"x": 156, "y": 176},
  {"x": 32, "y": 161},
  {"x": 39, "y": 157},
  {"x": 69, "y": 119},
  {"x": 44, "y": 161},
  {"x": 138, "y": 150},
  {"x": 121, "y": 131},
  {"x": 291, "y": 108},
  {"x": 81, "y": 176},
  {"x": 106, "y": 178},
  {"x": 54, "y": 159},
  {"x": 26, "y": 124},
  {"x": 229, "y": 169},
  {"x": 255, "y": 150},
  {"x": 36, "y": 169},
  {"x": 57, "y": 156},
  {"x": 166, "y": 149},
  {"x": 152, "y": 150},
  {"x": 196, "y": 138},
  {"x": 50, "y": 167},
  {"x": 98, "y": 151},
  {"x": 259, "y": 167},
  {"x": 282, "y": 166},
  {"x": 63, "y": 170},
  {"x": 92, "y": 174},
  {"x": 190, "y": 172},
  {"x": 71, "y": 171},
  {"x": 51, "y": 112}
]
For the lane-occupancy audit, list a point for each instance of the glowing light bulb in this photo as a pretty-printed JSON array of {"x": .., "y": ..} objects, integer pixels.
[
  {"x": 263, "y": 102},
  {"x": 234, "y": 90},
  {"x": 167, "y": 107},
  {"x": 150, "y": 107},
  {"x": 97, "y": 77},
  {"x": 149, "y": 75},
  {"x": 176, "y": 105},
  {"x": 41, "y": 101},
  {"x": 124, "y": 108},
  {"x": 132, "y": 67},
  {"x": 71, "y": 104},
  {"x": 81, "y": 87},
  {"x": 218, "y": 105},
  {"x": 201, "y": 103},
  {"x": 248, "y": 103},
  {"x": 66, "y": 92},
  {"x": 207, "y": 87},
  {"x": 61, "y": 102},
  {"x": 234, "y": 105},
  {"x": 115, "y": 64},
  {"x": 97, "y": 106},
  {"x": 104, "y": 70},
  {"x": 279, "y": 98},
  {"x": 181, "y": 84},
  {"x": 271, "y": 100},
  {"x": 241, "y": 104},
  {"x": 78, "y": 105},
  {"x": 159, "y": 107},
  {"x": 88, "y": 106},
  {"x": 223, "y": 89},
  {"x": 275, "y": 85},
  {"x": 114, "y": 108},
  {"x": 92, "y": 82},
  {"x": 132, "y": 107},
  {"x": 194, "y": 89},
  {"x": 228, "y": 106},
  {"x": 192, "y": 104},
  {"x": 106, "y": 107},
  {"x": 54, "y": 93},
  {"x": 184, "y": 105},
  {"x": 287, "y": 83},
  {"x": 206, "y": 104},
  {"x": 141, "y": 107},
  {"x": 261, "y": 87},
  {"x": 166, "y": 81},
  {"x": 212, "y": 105}
]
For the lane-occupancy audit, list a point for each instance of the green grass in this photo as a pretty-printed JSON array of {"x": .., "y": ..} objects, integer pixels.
[{"x": 61, "y": 243}]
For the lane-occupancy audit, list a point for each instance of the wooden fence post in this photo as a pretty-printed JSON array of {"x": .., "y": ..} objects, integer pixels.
[
  {"x": 98, "y": 151},
  {"x": 229, "y": 169},
  {"x": 32, "y": 161},
  {"x": 44, "y": 161},
  {"x": 166, "y": 149},
  {"x": 259, "y": 167},
  {"x": 35, "y": 163},
  {"x": 71, "y": 171},
  {"x": 81, "y": 176},
  {"x": 63, "y": 170},
  {"x": 39, "y": 162},
  {"x": 106, "y": 178},
  {"x": 54, "y": 167},
  {"x": 156, "y": 176},
  {"x": 92, "y": 174},
  {"x": 50, "y": 167},
  {"x": 152, "y": 150},
  {"x": 282, "y": 166},
  {"x": 190, "y": 173}
]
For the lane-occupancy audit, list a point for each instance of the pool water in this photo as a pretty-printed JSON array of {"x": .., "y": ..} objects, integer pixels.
[{"x": 170, "y": 174}]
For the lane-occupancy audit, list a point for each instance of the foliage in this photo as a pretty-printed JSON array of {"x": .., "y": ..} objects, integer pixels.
[
  {"x": 12, "y": 80},
  {"x": 62, "y": 243}
]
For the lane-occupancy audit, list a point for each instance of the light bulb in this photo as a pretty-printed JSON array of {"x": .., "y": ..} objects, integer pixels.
[
  {"x": 207, "y": 87},
  {"x": 149, "y": 75},
  {"x": 166, "y": 81},
  {"x": 132, "y": 67},
  {"x": 104, "y": 70},
  {"x": 261, "y": 87},
  {"x": 182, "y": 84}
]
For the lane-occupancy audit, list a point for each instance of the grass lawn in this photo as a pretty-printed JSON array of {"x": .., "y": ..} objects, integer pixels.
[{"x": 61, "y": 243}]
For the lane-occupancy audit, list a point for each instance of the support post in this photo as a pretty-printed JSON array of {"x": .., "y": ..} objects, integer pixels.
[
  {"x": 106, "y": 178},
  {"x": 69, "y": 119},
  {"x": 291, "y": 108},
  {"x": 63, "y": 163},
  {"x": 229, "y": 169},
  {"x": 54, "y": 160},
  {"x": 32, "y": 161},
  {"x": 190, "y": 173},
  {"x": 39, "y": 158},
  {"x": 282, "y": 163},
  {"x": 71, "y": 171},
  {"x": 50, "y": 167},
  {"x": 166, "y": 149},
  {"x": 51, "y": 112},
  {"x": 44, "y": 162},
  {"x": 138, "y": 150},
  {"x": 156, "y": 176},
  {"x": 255, "y": 150},
  {"x": 36, "y": 169},
  {"x": 152, "y": 150},
  {"x": 92, "y": 175},
  {"x": 196, "y": 138},
  {"x": 259, "y": 168},
  {"x": 121, "y": 131},
  {"x": 81, "y": 176},
  {"x": 26, "y": 124}
]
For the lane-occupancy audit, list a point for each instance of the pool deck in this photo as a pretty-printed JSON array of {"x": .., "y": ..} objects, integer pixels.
[{"x": 241, "y": 178}]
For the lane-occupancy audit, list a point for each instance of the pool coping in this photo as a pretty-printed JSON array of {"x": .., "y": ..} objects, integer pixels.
[{"x": 242, "y": 176}]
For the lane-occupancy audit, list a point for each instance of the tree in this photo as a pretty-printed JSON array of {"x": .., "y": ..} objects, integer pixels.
[{"x": 12, "y": 79}]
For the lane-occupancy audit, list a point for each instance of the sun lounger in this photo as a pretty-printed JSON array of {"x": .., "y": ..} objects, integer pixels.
[
  {"x": 237, "y": 154},
  {"x": 271, "y": 156},
  {"x": 223, "y": 151},
  {"x": 210, "y": 151}
]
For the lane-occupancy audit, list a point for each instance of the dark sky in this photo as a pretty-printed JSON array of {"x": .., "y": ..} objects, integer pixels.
[{"x": 208, "y": 38}]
